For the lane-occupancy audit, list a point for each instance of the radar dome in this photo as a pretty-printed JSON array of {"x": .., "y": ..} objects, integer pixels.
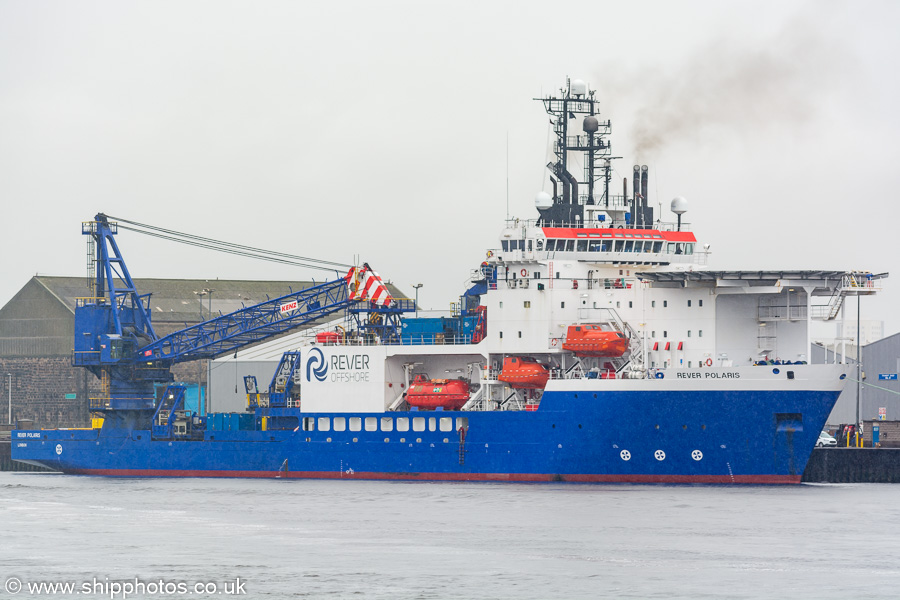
[
  {"x": 578, "y": 87},
  {"x": 679, "y": 205},
  {"x": 590, "y": 125},
  {"x": 543, "y": 201}
]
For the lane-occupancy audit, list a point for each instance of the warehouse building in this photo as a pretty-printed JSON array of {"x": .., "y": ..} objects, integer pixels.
[{"x": 37, "y": 329}]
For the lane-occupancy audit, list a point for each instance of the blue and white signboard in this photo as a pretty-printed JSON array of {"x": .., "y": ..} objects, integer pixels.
[{"x": 887, "y": 376}]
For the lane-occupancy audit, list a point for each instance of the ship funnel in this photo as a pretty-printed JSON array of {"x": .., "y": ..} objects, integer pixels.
[
  {"x": 636, "y": 186},
  {"x": 644, "y": 201}
]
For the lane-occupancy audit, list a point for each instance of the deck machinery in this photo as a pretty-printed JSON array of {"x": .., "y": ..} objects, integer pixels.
[{"x": 115, "y": 339}]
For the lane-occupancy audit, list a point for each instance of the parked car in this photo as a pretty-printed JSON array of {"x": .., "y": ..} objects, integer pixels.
[{"x": 825, "y": 439}]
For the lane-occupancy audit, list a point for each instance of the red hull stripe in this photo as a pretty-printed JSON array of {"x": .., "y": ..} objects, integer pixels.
[{"x": 524, "y": 477}]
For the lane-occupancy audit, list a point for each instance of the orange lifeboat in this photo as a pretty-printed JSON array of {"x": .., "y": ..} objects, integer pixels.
[
  {"x": 328, "y": 337},
  {"x": 524, "y": 372},
  {"x": 449, "y": 394},
  {"x": 593, "y": 340}
]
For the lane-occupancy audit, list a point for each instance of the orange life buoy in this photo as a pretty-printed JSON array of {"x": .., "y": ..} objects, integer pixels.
[
  {"x": 523, "y": 273},
  {"x": 554, "y": 341},
  {"x": 708, "y": 362}
]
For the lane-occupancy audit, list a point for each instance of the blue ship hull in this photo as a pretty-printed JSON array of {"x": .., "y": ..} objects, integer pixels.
[{"x": 612, "y": 436}]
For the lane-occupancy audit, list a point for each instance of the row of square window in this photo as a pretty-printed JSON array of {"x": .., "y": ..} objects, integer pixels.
[
  {"x": 527, "y": 304},
  {"x": 665, "y": 334},
  {"x": 383, "y": 423}
]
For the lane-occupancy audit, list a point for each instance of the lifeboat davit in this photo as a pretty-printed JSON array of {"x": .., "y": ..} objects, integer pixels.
[
  {"x": 524, "y": 372},
  {"x": 593, "y": 340},
  {"x": 449, "y": 394}
]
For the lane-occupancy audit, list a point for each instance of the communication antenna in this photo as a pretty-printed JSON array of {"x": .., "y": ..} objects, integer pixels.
[{"x": 507, "y": 174}]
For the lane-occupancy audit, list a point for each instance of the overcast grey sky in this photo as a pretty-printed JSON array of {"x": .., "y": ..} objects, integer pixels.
[{"x": 379, "y": 129}]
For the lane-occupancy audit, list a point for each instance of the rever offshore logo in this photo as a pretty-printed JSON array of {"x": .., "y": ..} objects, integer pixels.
[{"x": 316, "y": 366}]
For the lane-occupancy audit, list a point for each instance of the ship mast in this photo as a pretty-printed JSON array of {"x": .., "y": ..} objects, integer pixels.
[{"x": 576, "y": 99}]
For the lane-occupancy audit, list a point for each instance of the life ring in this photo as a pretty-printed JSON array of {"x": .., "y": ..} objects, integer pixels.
[
  {"x": 554, "y": 342},
  {"x": 523, "y": 273},
  {"x": 489, "y": 253},
  {"x": 708, "y": 362}
]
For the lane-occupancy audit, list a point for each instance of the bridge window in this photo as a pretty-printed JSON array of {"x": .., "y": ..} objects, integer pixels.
[
  {"x": 570, "y": 245},
  {"x": 505, "y": 245},
  {"x": 595, "y": 246},
  {"x": 340, "y": 423},
  {"x": 629, "y": 246},
  {"x": 620, "y": 244},
  {"x": 324, "y": 424},
  {"x": 387, "y": 424},
  {"x": 402, "y": 424},
  {"x": 670, "y": 248},
  {"x": 657, "y": 247},
  {"x": 418, "y": 423},
  {"x": 371, "y": 424},
  {"x": 582, "y": 246}
]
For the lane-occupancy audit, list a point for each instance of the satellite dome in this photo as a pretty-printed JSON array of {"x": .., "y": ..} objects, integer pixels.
[
  {"x": 578, "y": 88},
  {"x": 543, "y": 201},
  {"x": 590, "y": 125},
  {"x": 679, "y": 205}
]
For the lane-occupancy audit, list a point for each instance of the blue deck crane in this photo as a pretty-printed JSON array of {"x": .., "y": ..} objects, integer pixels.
[{"x": 115, "y": 339}]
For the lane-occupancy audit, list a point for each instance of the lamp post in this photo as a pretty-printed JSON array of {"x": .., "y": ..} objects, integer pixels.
[
  {"x": 208, "y": 292},
  {"x": 417, "y": 286}
]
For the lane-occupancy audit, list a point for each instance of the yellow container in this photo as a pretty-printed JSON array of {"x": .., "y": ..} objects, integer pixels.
[
  {"x": 264, "y": 423},
  {"x": 96, "y": 422}
]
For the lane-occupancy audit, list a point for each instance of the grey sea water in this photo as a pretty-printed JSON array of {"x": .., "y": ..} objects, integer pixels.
[{"x": 360, "y": 539}]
